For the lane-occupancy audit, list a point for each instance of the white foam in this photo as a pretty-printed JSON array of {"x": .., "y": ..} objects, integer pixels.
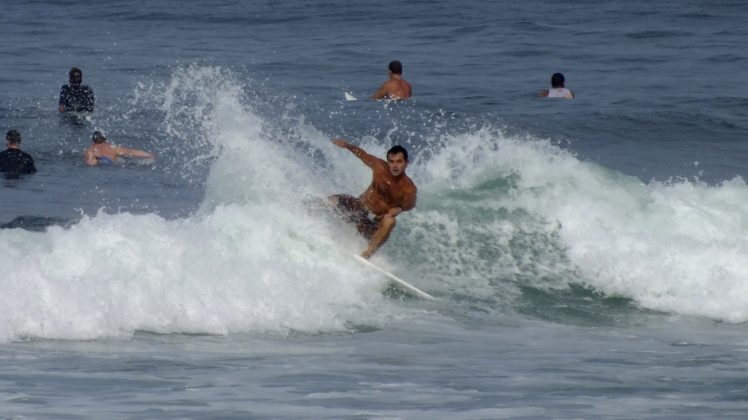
[
  {"x": 251, "y": 259},
  {"x": 678, "y": 247}
]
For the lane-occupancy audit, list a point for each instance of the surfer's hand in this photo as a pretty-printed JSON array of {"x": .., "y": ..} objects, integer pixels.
[
  {"x": 340, "y": 143},
  {"x": 395, "y": 211}
]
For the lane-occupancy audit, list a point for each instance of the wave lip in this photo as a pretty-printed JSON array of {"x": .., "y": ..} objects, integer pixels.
[{"x": 678, "y": 247}]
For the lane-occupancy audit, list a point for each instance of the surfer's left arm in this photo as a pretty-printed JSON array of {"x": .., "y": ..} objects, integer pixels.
[{"x": 409, "y": 202}]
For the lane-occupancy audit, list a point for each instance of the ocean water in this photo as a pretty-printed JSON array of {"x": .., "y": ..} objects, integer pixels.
[{"x": 589, "y": 256}]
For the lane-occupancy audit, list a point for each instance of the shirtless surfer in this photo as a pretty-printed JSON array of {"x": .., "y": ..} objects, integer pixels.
[
  {"x": 102, "y": 152},
  {"x": 396, "y": 87},
  {"x": 391, "y": 192}
]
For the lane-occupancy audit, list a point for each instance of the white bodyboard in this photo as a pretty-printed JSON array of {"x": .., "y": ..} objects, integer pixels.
[{"x": 400, "y": 282}]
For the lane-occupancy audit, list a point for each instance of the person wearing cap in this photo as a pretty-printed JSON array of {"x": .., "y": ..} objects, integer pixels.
[
  {"x": 14, "y": 161},
  {"x": 76, "y": 97},
  {"x": 558, "y": 90},
  {"x": 396, "y": 87},
  {"x": 101, "y": 152}
]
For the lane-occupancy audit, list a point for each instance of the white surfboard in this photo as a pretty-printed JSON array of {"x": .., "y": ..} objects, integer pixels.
[
  {"x": 349, "y": 97},
  {"x": 400, "y": 282}
]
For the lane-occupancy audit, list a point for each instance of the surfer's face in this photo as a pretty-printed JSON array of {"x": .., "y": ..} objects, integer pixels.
[{"x": 397, "y": 164}]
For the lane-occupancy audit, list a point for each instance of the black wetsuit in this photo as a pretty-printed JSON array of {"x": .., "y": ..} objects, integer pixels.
[
  {"x": 15, "y": 162},
  {"x": 78, "y": 98}
]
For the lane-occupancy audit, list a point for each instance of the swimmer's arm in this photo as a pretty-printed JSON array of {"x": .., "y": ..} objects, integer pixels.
[
  {"x": 63, "y": 97},
  {"x": 368, "y": 159},
  {"x": 543, "y": 93},
  {"x": 125, "y": 151},
  {"x": 89, "y": 156},
  {"x": 381, "y": 93}
]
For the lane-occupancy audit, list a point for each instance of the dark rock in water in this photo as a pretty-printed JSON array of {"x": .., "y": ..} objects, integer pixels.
[{"x": 36, "y": 223}]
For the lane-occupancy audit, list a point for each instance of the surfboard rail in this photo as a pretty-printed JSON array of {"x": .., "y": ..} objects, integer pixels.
[{"x": 400, "y": 282}]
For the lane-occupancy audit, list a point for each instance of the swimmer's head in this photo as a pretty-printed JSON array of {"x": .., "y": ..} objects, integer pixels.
[
  {"x": 396, "y": 67},
  {"x": 557, "y": 80},
  {"x": 75, "y": 76},
  {"x": 98, "y": 137},
  {"x": 13, "y": 137}
]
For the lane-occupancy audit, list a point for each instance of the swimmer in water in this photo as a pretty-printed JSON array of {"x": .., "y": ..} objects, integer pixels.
[
  {"x": 75, "y": 96},
  {"x": 14, "y": 161},
  {"x": 396, "y": 87},
  {"x": 558, "y": 90},
  {"x": 101, "y": 152}
]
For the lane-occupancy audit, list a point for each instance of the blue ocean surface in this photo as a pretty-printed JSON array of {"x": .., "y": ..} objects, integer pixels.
[{"x": 588, "y": 256}]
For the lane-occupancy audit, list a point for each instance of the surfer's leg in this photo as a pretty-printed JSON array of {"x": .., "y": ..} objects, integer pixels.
[
  {"x": 343, "y": 202},
  {"x": 346, "y": 206},
  {"x": 380, "y": 236}
]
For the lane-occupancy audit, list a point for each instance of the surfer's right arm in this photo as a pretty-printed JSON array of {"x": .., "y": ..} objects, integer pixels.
[
  {"x": 381, "y": 93},
  {"x": 368, "y": 159}
]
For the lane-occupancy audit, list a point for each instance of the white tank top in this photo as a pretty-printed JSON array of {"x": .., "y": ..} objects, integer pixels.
[{"x": 560, "y": 93}]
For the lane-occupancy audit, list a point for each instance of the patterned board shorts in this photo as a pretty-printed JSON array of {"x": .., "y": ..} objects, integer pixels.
[{"x": 357, "y": 214}]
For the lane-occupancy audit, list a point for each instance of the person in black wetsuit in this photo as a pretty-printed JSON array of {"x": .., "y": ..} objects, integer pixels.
[
  {"x": 13, "y": 161},
  {"x": 75, "y": 96}
]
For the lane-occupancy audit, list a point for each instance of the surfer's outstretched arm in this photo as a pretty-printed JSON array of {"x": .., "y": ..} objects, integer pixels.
[
  {"x": 360, "y": 153},
  {"x": 126, "y": 151}
]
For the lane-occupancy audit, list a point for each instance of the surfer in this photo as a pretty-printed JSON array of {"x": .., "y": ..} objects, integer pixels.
[
  {"x": 14, "y": 161},
  {"x": 101, "y": 152},
  {"x": 557, "y": 88},
  {"x": 75, "y": 96},
  {"x": 396, "y": 87},
  {"x": 390, "y": 193}
]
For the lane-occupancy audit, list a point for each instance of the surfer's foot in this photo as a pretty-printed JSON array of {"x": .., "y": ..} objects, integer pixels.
[{"x": 366, "y": 254}]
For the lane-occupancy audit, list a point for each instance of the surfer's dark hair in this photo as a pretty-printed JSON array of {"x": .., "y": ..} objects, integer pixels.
[
  {"x": 13, "y": 137},
  {"x": 396, "y": 67},
  {"x": 557, "y": 80},
  {"x": 398, "y": 149}
]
